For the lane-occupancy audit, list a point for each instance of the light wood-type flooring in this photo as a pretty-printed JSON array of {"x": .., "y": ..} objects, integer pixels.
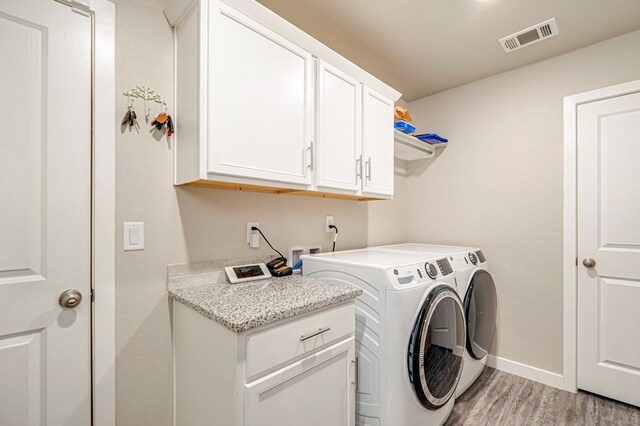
[{"x": 499, "y": 398}]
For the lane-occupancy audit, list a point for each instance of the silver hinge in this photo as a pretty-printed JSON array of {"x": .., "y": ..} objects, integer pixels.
[
  {"x": 356, "y": 377},
  {"x": 93, "y": 296},
  {"x": 76, "y": 6}
]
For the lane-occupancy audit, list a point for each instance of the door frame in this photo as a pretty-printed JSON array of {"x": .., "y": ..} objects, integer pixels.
[
  {"x": 570, "y": 229},
  {"x": 103, "y": 378}
]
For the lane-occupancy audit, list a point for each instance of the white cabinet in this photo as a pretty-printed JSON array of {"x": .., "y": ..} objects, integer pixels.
[
  {"x": 299, "y": 371},
  {"x": 314, "y": 391},
  {"x": 262, "y": 106},
  {"x": 354, "y": 130},
  {"x": 338, "y": 130},
  {"x": 261, "y": 101},
  {"x": 377, "y": 144}
]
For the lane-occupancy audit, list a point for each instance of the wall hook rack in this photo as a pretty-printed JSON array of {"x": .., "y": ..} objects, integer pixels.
[{"x": 147, "y": 95}]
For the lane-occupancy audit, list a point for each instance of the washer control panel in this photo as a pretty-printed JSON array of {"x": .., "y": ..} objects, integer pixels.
[
  {"x": 419, "y": 273},
  {"x": 445, "y": 266},
  {"x": 431, "y": 270}
]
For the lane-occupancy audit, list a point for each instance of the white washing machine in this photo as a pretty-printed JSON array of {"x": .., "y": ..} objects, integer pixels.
[
  {"x": 477, "y": 290},
  {"x": 410, "y": 333}
]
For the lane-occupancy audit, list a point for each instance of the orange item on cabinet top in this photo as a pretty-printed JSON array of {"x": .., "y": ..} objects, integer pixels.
[{"x": 401, "y": 114}]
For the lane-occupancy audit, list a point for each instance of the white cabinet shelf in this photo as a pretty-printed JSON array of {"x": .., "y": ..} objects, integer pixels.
[{"x": 409, "y": 148}]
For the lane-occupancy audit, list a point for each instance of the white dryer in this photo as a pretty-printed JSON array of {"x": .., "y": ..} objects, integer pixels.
[
  {"x": 410, "y": 333},
  {"x": 477, "y": 290}
]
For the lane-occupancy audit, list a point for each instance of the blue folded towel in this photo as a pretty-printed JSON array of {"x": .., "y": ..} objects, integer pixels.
[
  {"x": 404, "y": 127},
  {"x": 432, "y": 138}
]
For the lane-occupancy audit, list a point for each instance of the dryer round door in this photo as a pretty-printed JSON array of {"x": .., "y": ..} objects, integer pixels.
[
  {"x": 436, "y": 348},
  {"x": 480, "y": 307}
]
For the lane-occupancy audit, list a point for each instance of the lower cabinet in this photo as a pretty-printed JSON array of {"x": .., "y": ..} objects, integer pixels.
[
  {"x": 317, "y": 390},
  {"x": 298, "y": 371}
]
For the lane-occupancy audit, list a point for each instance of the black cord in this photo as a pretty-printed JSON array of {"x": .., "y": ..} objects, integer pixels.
[
  {"x": 334, "y": 240},
  {"x": 255, "y": 228}
]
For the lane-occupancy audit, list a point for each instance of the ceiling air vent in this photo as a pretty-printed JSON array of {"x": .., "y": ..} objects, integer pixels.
[{"x": 532, "y": 35}]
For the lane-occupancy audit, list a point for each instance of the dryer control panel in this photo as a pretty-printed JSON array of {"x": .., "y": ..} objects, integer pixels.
[
  {"x": 467, "y": 260},
  {"x": 460, "y": 261}
]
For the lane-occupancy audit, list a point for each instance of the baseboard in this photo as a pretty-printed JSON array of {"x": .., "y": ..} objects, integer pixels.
[{"x": 532, "y": 373}]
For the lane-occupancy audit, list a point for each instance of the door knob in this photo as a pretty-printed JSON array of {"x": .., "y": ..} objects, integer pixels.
[
  {"x": 588, "y": 262},
  {"x": 70, "y": 298}
]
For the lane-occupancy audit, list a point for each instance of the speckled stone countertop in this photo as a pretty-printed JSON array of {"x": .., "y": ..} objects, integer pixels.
[{"x": 241, "y": 307}]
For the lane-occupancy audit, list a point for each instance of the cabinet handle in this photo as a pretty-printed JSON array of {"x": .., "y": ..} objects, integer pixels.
[
  {"x": 368, "y": 169},
  {"x": 311, "y": 156},
  {"x": 359, "y": 167},
  {"x": 356, "y": 375},
  {"x": 314, "y": 334}
]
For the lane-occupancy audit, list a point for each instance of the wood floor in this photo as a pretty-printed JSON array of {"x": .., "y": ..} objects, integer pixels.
[{"x": 499, "y": 398}]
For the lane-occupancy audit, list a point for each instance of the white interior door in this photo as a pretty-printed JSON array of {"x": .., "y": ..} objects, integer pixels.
[
  {"x": 45, "y": 213},
  {"x": 609, "y": 235}
]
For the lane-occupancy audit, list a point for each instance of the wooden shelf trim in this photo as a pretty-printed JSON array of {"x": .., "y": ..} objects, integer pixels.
[{"x": 274, "y": 190}]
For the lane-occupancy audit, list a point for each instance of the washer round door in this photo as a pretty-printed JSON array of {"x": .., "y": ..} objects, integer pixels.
[
  {"x": 480, "y": 307},
  {"x": 436, "y": 348}
]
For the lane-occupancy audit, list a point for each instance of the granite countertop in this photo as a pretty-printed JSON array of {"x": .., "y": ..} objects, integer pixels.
[{"x": 241, "y": 307}]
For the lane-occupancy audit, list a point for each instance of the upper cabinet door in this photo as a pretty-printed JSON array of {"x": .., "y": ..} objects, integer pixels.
[
  {"x": 338, "y": 129},
  {"x": 260, "y": 101},
  {"x": 377, "y": 144}
]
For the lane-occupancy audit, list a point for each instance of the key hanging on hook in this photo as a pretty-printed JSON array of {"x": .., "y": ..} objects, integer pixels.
[
  {"x": 170, "y": 129},
  {"x": 130, "y": 118}
]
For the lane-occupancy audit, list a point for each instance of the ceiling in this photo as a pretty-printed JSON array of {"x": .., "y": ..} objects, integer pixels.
[{"x": 421, "y": 47}]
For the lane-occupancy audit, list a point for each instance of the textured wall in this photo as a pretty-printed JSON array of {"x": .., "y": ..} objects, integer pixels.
[
  {"x": 387, "y": 222},
  {"x": 192, "y": 224},
  {"x": 498, "y": 185}
]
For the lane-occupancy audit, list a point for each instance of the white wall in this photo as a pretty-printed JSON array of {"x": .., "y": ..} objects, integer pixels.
[
  {"x": 144, "y": 193},
  {"x": 193, "y": 224},
  {"x": 498, "y": 185},
  {"x": 387, "y": 222}
]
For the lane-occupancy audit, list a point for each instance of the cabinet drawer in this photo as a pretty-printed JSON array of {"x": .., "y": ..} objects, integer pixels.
[
  {"x": 273, "y": 346},
  {"x": 318, "y": 390}
]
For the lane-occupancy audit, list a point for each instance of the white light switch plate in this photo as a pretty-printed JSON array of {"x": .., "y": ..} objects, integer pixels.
[{"x": 133, "y": 237}]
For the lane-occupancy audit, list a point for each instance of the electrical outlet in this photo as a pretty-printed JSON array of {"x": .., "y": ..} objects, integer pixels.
[
  {"x": 328, "y": 222},
  {"x": 253, "y": 237}
]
